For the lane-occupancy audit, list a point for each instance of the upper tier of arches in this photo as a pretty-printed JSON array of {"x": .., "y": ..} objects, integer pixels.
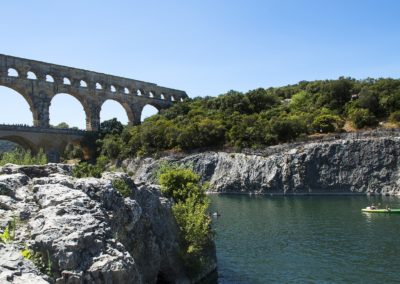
[{"x": 38, "y": 82}]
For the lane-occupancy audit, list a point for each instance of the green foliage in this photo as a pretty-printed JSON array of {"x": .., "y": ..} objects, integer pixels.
[
  {"x": 122, "y": 187},
  {"x": 27, "y": 253},
  {"x": 9, "y": 231},
  {"x": 73, "y": 151},
  {"x": 395, "y": 116},
  {"x": 258, "y": 118},
  {"x": 85, "y": 169},
  {"x": 112, "y": 126},
  {"x": 62, "y": 125},
  {"x": 41, "y": 261},
  {"x": 180, "y": 184},
  {"x": 362, "y": 117},
  {"x": 327, "y": 123},
  {"x": 19, "y": 156},
  {"x": 6, "y": 236},
  {"x": 190, "y": 211}
]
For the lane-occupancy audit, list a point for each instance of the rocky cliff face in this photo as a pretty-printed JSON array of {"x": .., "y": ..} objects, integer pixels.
[
  {"x": 85, "y": 230},
  {"x": 368, "y": 165}
]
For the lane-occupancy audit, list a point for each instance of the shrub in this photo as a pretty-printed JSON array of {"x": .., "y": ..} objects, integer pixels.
[
  {"x": 180, "y": 184},
  {"x": 327, "y": 123},
  {"x": 395, "y": 116},
  {"x": 362, "y": 117},
  {"x": 73, "y": 152},
  {"x": 21, "y": 156},
  {"x": 190, "y": 212},
  {"x": 85, "y": 169},
  {"x": 122, "y": 187}
]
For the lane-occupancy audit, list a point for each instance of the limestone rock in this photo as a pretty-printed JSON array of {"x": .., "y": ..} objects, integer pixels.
[
  {"x": 356, "y": 166},
  {"x": 85, "y": 231}
]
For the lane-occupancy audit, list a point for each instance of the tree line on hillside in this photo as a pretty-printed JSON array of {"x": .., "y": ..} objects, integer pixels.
[{"x": 258, "y": 118}]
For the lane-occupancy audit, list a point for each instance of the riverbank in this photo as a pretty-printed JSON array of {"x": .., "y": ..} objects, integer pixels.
[{"x": 347, "y": 164}]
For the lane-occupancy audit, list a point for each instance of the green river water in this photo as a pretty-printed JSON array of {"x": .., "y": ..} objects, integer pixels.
[{"x": 306, "y": 239}]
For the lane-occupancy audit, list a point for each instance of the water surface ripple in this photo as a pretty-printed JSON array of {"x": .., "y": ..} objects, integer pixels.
[{"x": 306, "y": 239}]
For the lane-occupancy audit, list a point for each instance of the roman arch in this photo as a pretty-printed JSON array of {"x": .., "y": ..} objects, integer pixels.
[{"x": 38, "y": 82}]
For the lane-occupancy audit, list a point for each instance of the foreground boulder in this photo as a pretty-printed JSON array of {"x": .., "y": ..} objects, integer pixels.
[{"x": 85, "y": 231}]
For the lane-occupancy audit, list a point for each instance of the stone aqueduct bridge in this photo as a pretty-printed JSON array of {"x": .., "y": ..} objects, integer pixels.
[
  {"x": 38, "y": 82},
  {"x": 53, "y": 141}
]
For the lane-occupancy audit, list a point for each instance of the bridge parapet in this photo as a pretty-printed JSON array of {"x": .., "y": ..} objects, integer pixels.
[{"x": 28, "y": 128}]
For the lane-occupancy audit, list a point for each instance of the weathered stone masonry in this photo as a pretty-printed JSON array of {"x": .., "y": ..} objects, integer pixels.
[{"x": 38, "y": 82}]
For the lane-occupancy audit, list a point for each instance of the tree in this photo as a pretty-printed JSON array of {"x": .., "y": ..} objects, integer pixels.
[
  {"x": 368, "y": 100},
  {"x": 111, "y": 126},
  {"x": 62, "y": 125},
  {"x": 327, "y": 123},
  {"x": 362, "y": 117}
]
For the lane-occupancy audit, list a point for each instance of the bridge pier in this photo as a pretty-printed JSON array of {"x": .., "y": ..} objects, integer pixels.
[{"x": 41, "y": 112}]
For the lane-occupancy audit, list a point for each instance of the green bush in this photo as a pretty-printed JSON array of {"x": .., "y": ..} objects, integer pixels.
[
  {"x": 190, "y": 211},
  {"x": 122, "y": 187},
  {"x": 395, "y": 116},
  {"x": 85, "y": 169},
  {"x": 73, "y": 151},
  {"x": 20, "y": 156},
  {"x": 180, "y": 184},
  {"x": 327, "y": 123},
  {"x": 361, "y": 117}
]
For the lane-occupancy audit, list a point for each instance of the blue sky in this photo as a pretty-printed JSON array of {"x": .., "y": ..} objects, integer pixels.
[{"x": 203, "y": 47}]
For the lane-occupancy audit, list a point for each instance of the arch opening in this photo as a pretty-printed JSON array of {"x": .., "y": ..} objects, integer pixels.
[
  {"x": 113, "y": 89},
  {"x": 162, "y": 97},
  {"x": 113, "y": 109},
  {"x": 66, "y": 111},
  {"x": 12, "y": 72},
  {"x": 14, "y": 108},
  {"x": 83, "y": 84},
  {"x": 126, "y": 91},
  {"x": 66, "y": 81},
  {"x": 31, "y": 75},
  {"x": 7, "y": 146},
  {"x": 49, "y": 78},
  {"x": 139, "y": 92},
  {"x": 172, "y": 98},
  {"x": 15, "y": 143},
  {"x": 148, "y": 111},
  {"x": 151, "y": 95},
  {"x": 98, "y": 86}
]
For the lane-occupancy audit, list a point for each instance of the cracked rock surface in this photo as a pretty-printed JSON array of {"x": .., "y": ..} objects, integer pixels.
[
  {"x": 345, "y": 166},
  {"x": 85, "y": 230}
]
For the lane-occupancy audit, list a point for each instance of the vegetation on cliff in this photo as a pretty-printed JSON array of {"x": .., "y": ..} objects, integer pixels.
[
  {"x": 259, "y": 117},
  {"x": 190, "y": 211}
]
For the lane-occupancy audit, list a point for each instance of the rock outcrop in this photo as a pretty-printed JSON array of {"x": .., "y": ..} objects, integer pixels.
[
  {"x": 346, "y": 166},
  {"x": 84, "y": 230}
]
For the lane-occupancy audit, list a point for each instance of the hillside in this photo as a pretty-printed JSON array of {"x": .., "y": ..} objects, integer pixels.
[{"x": 261, "y": 117}]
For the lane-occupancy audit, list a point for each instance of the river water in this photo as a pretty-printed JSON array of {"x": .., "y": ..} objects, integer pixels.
[{"x": 306, "y": 239}]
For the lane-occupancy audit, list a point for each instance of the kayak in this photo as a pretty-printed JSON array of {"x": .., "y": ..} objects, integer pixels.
[{"x": 389, "y": 211}]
